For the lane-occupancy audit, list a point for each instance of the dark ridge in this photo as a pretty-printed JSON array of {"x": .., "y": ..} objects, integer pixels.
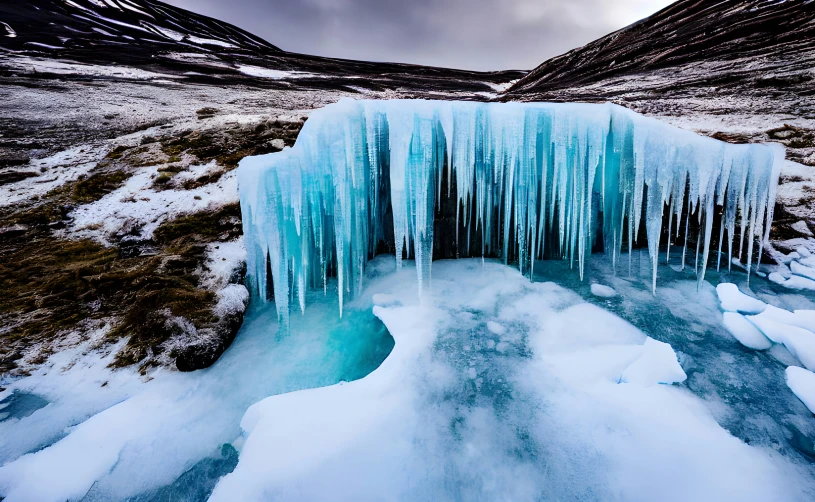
[
  {"x": 152, "y": 35},
  {"x": 78, "y": 25},
  {"x": 778, "y": 34}
]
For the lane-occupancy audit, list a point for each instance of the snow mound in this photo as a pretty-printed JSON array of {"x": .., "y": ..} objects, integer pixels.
[
  {"x": 657, "y": 364},
  {"x": 602, "y": 291},
  {"x": 745, "y": 332},
  {"x": 734, "y": 300},
  {"x": 799, "y": 341},
  {"x": 802, "y": 383},
  {"x": 794, "y": 282}
]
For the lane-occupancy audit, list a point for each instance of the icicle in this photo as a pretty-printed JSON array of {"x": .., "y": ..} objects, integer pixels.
[{"x": 535, "y": 179}]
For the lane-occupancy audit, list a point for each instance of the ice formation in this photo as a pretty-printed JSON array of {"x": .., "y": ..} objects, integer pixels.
[{"x": 530, "y": 181}]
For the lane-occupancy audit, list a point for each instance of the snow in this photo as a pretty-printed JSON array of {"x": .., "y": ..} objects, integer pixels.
[
  {"x": 46, "y": 46},
  {"x": 171, "y": 34},
  {"x": 130, "y": 6},
  {"x": 802, "y": 270},
  {"x": 257, "y": 71},
  {"x": 745, "y": 332},
  {"x": 794, "y": 282},
  {"x": 602, "y": 291},
  {"x": 136, "y": 205},
  {"x": 9, "y": 31},
  {"x": 36, "y": 65},
  {"x": 657, "y": 365},
  {"x": 496, "y": 328},
  {"x": 801, "y": 226},
  {"x": 799, "y": 341},
  {"x": 500, "y": 88},
  {"x": 223, "y": 260},
  {"x": 528, "y": 168},
  {"x": 802, "y": 383},
  {"x": 232, "y": 299},
  {"x": 210, "y": 41},
  {"x": 53, "y": 171},
  {"x": 734, "y": 300}
]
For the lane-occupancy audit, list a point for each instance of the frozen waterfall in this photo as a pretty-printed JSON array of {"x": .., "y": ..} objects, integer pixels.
[{"x": 528, "y": 181}]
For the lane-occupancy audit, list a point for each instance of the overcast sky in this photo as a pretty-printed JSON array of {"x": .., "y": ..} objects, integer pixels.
[{"x": 473, "y": 34}]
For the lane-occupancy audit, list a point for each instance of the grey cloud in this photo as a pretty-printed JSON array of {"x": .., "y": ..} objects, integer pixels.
[{"x": 479, "y": 35}]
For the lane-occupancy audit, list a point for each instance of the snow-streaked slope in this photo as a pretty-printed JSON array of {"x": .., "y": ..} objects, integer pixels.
[
  {"x": 146, "y": 24},
  {"x": 778, "y": 36}
]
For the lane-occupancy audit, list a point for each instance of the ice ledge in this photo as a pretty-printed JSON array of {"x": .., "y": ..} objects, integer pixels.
[{"x": 528, "y": 180}]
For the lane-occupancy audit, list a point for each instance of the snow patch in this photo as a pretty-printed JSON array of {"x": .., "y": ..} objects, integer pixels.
[
  {"x": 138, "y": 207},
  {"x": 745, "y": 332},
  {"x": 603, "y": 291},
  {"x": 257, "y": 71},
  {"x": 802, "y": 383},
  {"x": 735, "y": 301},
  {"x": 9, "y": 32}
]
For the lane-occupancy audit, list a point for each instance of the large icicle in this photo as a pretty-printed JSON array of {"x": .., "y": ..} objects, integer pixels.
[{"x": 530, "y": 180}]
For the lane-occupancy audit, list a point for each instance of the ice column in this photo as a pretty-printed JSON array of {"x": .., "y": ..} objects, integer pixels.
[{"x": 534, "y": 180}]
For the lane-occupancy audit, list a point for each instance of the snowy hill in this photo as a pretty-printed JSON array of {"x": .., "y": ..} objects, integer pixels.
[
  {"x": 758, "y": 43},
  {"x": 150, "y": 35},
  {"x": 92, "y": 26}
]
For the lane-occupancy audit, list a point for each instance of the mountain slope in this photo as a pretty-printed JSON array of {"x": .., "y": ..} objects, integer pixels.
[
  {"x": 779, "y": 32},
  {"x": 79, "y": 25},
  {"x": 151, "y": 35}
]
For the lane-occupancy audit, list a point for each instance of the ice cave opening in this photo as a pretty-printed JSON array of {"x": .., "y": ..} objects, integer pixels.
[{"x": 520, "y": 181}]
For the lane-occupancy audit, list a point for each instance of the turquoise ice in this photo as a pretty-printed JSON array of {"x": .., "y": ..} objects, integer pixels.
[{"x": 532, "y": 179}]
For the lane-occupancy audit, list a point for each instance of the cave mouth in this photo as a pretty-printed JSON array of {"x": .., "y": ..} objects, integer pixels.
[{"x": 428, "y": 180}]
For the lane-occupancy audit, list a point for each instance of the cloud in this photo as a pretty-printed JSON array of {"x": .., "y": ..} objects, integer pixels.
[{"x": 473, "y": 34}]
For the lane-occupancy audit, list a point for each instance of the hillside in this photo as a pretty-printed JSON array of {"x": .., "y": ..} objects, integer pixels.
[{"x": 738, "y": 70}]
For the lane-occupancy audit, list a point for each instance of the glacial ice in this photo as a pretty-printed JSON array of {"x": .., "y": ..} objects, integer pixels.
[{"x": 530, "y": 181}]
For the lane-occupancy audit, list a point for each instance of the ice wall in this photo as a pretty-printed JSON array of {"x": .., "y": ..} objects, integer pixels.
[{"x": 532, "y": 179}]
